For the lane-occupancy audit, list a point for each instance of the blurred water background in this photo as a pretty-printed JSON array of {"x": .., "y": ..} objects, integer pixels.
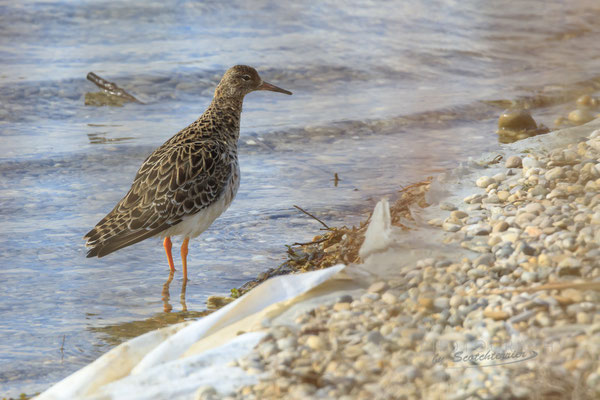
[{"x": 385, "y": 94}]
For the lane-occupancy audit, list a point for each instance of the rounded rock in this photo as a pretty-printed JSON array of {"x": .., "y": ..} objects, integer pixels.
[
  {"x": 341, "y": 306},
  {"x": 389, "y": 298},
  {"x": 441, "y": 303},
  {"x": 206, "y": 393},
  {"x": 378, "y": 287},
  {"x": 456, "y": 301},
  {"x": 492, "y": 199},
  {"x": 534, "y": 208},
  {"x": 555, "y": 173},
  {"x": 374, "y": 337},
  {"x": 585, "y": 100},
  {"x": 503, "y": 195},
  {"x": 484, "y": 181},
  {"x": 315, "y": 342},
  {"x": 450, "y": 227},
  {"x": 501, "y": 226},
  {"x": 516, "y": 120},
  {"x": 286, "y": 343},
  {"x": 513, "y": 162},
  {"x": 457, "y": 214},
  {"x": 370, "y": 297},
  {"x": 580, "y": 116},
  {"x": 447, "y": 206},
  {"x": 345, "y": 299}
]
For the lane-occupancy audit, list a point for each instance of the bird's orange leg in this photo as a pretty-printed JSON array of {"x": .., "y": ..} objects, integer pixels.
[
  {"x": 168, "y": 245},
  {"x": 184, "y": 253}
]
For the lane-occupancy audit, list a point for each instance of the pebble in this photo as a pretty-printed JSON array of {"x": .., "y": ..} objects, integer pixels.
[
  {"x": 378, "y": 287},
  {"x": 580, "y": 116},
  {"x": 509, "y": 236},
  {"x": 555, "y": 173},
  {"x": 315, "y": 342},
  {"x": 375, "y": 337},
  {"x": 441, "y": 303},
  {"x": 529, "y": 277},
  {"x": 484, "y": 181},
  {"x": 341, "y": 306},
  {"x": 534, "y": 208},
  {"x": 389, "y": 298},
  {"x": 497, "y": 315},
  {"x": 524, "y": 218},
  {"x": 569, "y": 266},
  {"x": 500, "y": 226},
  {"x": 513, "y": 162},
  {"x": 435, "y": 222},
  {"x": 286, "y": 343},
  {"x": 503, "y": 195},
  {"x": 526, "y": 249},
  {"x": 473, "y": 199},
  {"x": 586, "y": 100},
  {"x": 370, "y": 297},
  {"x": 456, "y": 301},
  {"x": 345, "y": 299},
  {"x": 425, "y": 302},
  {"x": 491, "y": 199},
  {"x": 457, "y": 214},
  {"x": 533, "y": 231},
  {"x": 481, "y": 230},
  {"x": 450, "y": 227},
  {"x": 516, "y": 120},
  {"x": 484, "y": 259},
  {"x": 447, "y": 206},
  {"x": 206, "y": 393},
  {"x": 499, "y": 177},
  {"x": 583, "y": 318},
  {"x": 538, "y": 190}
]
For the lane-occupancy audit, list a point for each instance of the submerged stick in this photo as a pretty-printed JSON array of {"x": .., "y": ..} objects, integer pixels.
[
  {"x": 62, "y": 349},
  {"x": 307, "y": 243},
  {"x": 336, "y": 179},
  {"x": 312, "y": 216},
  {"x": 110, "y": 87}
]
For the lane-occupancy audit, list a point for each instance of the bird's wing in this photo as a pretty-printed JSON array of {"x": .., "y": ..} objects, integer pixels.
[{"x": 177, "y": 180}]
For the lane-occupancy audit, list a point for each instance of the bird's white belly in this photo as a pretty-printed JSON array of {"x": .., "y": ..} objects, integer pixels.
[{"x": 193, "y": 225}]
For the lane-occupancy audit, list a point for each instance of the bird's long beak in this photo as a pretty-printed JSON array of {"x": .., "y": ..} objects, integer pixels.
[{"x": 272, "y": 88}]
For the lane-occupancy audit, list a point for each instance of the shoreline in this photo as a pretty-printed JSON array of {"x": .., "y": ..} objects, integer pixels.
[
  {"x": 377, "y": 326},
  {"x": 542, "y": 300}
]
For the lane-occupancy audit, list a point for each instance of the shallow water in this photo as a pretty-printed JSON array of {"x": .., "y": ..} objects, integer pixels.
[{"x": 383, "y": 96}]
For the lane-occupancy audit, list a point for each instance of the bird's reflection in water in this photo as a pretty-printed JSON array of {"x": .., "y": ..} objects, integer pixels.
[
  {"x": 182, "y": 295},
  {"x": 118, "y": 333},
  {"x": 166, "y": 296}
]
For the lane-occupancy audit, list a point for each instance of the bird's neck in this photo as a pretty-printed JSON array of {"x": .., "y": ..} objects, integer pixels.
[
  {"x": 224, "y": 114},
  {"x": 233, "y": 103}
]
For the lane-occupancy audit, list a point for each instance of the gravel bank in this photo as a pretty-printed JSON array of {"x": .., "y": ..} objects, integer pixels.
[{"x": 520, "y": 318}]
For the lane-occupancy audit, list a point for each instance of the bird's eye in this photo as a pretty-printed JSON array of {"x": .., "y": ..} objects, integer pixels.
[{"x": 246, "y": 77}]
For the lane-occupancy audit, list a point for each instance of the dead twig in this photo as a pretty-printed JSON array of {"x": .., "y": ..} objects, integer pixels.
[
  {"x": 495, "y": 160},
  {"x": 414, "y": 185},
  {"x": 312, "y": 216},
  {"x": 62, "y": 349},
  {"x": 313, "y": 242},
  {"x": 336, "y": 179}
]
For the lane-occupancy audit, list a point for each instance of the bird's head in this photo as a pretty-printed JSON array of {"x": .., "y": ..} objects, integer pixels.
[{"x": 240, "y": 80}]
